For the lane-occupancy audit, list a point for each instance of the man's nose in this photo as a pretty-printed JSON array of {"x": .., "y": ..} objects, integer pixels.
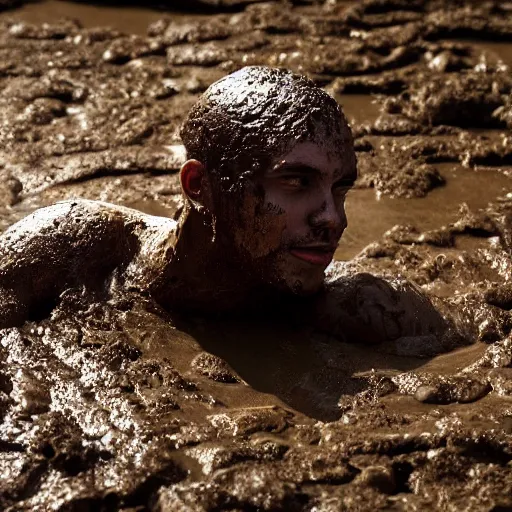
[{"x": 329, "y": 216}]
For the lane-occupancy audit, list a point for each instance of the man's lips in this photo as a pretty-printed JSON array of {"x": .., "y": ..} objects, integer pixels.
[{"x": 316, "y": 255}]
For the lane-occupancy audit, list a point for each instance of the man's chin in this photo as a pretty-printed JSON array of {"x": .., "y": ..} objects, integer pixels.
[
  {"x": 303, "y": 283},
  {"x": 289, "y": 276}
]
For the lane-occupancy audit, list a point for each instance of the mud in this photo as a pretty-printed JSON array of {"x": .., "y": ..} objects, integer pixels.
[{"x": 108, "y": 402}]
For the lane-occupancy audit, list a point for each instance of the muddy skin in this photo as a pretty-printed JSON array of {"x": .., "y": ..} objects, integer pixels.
[
  {"x": 226, "y": 112},
  {"x": 105, "y": 405}
]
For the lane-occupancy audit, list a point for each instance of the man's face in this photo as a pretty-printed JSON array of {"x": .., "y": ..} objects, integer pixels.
[{"x": 293, "y": 215}]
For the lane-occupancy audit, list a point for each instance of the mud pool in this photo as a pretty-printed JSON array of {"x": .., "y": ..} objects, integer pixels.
[{"x": 110, "y": 403}]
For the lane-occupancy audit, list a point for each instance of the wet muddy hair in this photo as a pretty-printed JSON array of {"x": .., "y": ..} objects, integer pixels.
[{"x": 246, "y": 120}]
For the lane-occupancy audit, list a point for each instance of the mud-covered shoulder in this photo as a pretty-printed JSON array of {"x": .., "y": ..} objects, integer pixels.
[
  {"x": 155, "y": 252},
  {"x": 75, "y": 242},
  {"x": 366, "y": 308}
]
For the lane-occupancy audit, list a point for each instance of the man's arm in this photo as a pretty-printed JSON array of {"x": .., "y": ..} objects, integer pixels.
[
  {"x": 366, "y": 309},
  {"x": 69, "y": 243}
]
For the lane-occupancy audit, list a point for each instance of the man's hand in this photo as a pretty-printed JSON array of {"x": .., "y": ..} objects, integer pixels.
[{"x": 368, "y": 309}]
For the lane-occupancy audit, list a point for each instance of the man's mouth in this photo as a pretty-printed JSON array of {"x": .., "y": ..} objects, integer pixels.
[{"x": 320, "y": 255}]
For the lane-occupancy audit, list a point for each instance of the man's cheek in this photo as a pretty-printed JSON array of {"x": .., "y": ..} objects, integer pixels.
[
  {"x": 262, "y": 227},
  {"x": 269, "y": 229}
]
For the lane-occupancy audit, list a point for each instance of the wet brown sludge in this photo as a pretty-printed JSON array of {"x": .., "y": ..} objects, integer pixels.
[{"x": 108, "y": 402}]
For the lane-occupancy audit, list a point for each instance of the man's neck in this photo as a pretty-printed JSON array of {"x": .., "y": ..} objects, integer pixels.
[
  {"x": 203, "y": 276},
  {"x": 200, "y": 275}
]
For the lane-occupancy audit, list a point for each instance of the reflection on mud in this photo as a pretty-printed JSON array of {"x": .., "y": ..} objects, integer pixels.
[
  {"x": 359, "y": 108},
  {"x": 495, "y": 48}
]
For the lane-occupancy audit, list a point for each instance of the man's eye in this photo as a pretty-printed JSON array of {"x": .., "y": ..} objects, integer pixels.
[{"x": 295, "y": 182}]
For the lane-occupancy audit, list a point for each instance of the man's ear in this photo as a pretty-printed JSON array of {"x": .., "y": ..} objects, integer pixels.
[{"x": 192, "y": 177}]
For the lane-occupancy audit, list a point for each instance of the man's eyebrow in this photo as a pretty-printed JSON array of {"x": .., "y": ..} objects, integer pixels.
[
  {"x": 346, "y": 181},
  {"x": 295, "y": 167}
]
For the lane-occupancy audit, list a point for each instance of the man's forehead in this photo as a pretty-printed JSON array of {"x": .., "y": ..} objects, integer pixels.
[{"x": 329, "y": 157}]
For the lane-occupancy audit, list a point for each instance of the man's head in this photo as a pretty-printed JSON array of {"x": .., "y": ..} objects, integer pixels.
[{"x": 271, "y": 159}]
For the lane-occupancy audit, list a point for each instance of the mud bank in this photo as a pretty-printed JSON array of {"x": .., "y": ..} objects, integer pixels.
[{"x": 107, "y": 402}]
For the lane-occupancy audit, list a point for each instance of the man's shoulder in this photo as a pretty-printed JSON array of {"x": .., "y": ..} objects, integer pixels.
[
  {"x": 389, "y": 289},
  {"x": 76, "y": 214},
  {"x": 77, "y": 228}
]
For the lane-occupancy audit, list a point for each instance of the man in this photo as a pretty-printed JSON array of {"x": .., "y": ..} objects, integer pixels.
[{"x": 270, "y": 161}]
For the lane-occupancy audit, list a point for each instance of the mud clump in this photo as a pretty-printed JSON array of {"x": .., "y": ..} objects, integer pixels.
[
  {"x": 465, "y": 100},
  {"x": 414, "y": 180},
  {"x": 214, "y": 368}
]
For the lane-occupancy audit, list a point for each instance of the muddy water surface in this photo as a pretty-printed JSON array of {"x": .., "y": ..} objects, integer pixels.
[
  {"x": 130, "y": 20},
  {"x": 370, "y": 217}
]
